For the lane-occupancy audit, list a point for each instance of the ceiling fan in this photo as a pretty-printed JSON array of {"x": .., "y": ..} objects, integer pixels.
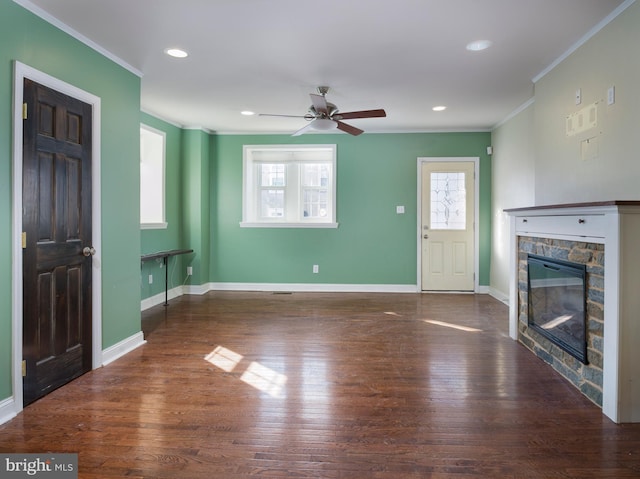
[{"x": 323, "y": 115}]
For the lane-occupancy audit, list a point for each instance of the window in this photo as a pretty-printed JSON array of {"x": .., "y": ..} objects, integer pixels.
[
  {"x": 289, "y": 186},
  {"x": 448, "y": 201},
  {"x": 152, "y": 156}
]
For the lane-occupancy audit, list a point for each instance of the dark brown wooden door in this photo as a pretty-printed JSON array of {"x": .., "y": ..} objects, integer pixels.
[{"x": 57, "y": 228}]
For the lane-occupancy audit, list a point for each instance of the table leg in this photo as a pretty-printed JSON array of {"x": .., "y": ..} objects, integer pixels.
[{"x": 166, "y": 280}]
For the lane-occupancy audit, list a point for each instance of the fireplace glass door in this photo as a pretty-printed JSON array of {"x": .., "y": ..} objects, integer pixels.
[{"x": 557, "y": 303}]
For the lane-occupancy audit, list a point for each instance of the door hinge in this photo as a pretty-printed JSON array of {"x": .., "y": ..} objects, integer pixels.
[
  {"x": 24, "y": 111},
  {"x": 24, "y": 368},
  {"x": 24, "y": 239}
]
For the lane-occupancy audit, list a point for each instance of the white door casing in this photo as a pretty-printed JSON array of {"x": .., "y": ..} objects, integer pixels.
[{"x": 22, "y": 71}]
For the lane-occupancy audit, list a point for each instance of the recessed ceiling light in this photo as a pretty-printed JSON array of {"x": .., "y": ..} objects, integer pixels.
[
  {"x": 247, "y": 113},
  {"x": 439, "y": 108},
  {"x": 176, "y": 53},
  {"x": 479, "y": 45}
]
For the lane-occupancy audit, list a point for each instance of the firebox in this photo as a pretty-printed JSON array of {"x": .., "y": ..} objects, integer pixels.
[{"x": 557, "y": 303}]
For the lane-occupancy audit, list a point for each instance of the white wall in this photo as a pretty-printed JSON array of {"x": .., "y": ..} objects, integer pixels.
[
  {"x": 513, "y": 170},
  {"x": 536, "y": 163},
  {"x": 610, "y": 58}
]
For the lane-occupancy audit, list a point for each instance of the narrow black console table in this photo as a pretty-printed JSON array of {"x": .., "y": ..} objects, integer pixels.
[{"x": 165, "y": 255}]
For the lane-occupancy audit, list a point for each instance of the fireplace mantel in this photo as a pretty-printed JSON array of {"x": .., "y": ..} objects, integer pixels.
[
  {"x": 616, "y": 225},
  {"x": 580, "y": 206}
]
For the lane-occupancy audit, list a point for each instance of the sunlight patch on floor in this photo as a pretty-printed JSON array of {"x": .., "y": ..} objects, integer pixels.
[
  {"x": 265, "y": 379},
  {"x": 453, "y": 326},
  {"x": 256, "y": 375},
  {"x": 224, "y": 358}
]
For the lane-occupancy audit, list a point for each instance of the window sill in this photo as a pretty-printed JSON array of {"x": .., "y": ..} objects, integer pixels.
[
  {"x": 245, "y": 224},
  {"x": 154, "y": 226}
]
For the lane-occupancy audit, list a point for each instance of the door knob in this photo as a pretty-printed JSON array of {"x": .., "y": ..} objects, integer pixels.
[
  {"x": 88, "y": 251},
  {"x": 426, "y": 236}
]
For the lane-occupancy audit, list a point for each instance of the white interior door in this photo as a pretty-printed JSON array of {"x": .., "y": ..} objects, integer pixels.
[{"x": 447, "y": 230}]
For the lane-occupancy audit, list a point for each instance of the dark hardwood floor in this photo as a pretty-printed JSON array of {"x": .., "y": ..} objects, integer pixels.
[{"x": 310, "y": 385}]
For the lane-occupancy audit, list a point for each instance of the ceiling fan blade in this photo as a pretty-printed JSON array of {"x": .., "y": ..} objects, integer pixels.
[
  {"x": 352, "y": 130},
  {"x": 284, "y": 116},
  {"x": 319, "y": 103},
  {"x": 361, "y": 114},
  {"x": 303, "y": 130}
]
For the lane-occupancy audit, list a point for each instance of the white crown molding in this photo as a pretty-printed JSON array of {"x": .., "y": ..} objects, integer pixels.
[
  {"x": 599, "y": 26},
  {"x": 382, "y": 132},
  {"x": 26, "y": 4},
  {"x": 515, "y": 112},
  {"x": 161, "y": 118},
  {"x": 608, "y": 19}
]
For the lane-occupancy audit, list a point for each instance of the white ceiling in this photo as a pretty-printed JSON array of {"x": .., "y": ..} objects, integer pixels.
[{"x": 405, "y": 56}]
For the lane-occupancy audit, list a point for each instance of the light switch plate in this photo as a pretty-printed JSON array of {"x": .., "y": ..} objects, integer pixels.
[{"x": 611, "y": 95}]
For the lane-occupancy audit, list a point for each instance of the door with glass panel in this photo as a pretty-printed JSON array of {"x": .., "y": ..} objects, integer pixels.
[{"x": 447, "y": 229}]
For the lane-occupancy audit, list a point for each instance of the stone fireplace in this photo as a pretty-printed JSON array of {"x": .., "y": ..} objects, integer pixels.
[
  {"x": 603, "y": 239},
  {"x": 585, "y": 375}
]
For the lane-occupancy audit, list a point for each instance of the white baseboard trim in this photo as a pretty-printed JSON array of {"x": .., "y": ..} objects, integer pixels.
[
  {"x": 196, "y": 289},
  {"x": 7, "y": 410},
  {"x": 123, "y": 347},
  {"x": 315, "y": 288},
  {"x": 159, "y": 298},
  {"x": 297, "y": 288},
  {"x": 499, "y": 295}
]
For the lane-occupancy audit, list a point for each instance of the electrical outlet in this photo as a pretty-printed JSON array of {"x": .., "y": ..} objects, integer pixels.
[
  {"x": 189, "y": 270},
  {"x": 150, "y": 279},
  {"x": 316, "y": 268}
]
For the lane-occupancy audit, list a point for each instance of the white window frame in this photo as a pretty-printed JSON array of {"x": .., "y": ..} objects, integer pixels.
[
  {"x": 292, "y": 156},
  {"x": 158, "y": 159}
]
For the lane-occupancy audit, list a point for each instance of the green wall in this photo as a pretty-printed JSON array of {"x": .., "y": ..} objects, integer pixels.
[
  {"x": 154, "y": 240},
  {"x": 373, "y": 244},
  {"x": 197, "y": 212},
  {"x": 188, "y": 210},
  {"x": 30, "y": 40}
]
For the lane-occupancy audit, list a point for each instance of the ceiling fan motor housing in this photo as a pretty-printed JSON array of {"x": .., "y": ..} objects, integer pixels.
[
  {"x": 323, "y": 115},
  {"x": 331, "y": 110}
]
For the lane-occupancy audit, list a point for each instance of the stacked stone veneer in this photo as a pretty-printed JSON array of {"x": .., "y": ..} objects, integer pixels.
[{"x": 586, "y": 377}]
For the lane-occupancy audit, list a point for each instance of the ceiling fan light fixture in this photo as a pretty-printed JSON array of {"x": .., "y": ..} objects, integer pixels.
[{"x": 324, "y": 124}]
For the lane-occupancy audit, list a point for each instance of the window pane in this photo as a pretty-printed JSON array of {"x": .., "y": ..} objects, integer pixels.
[
  {"x": 151, "y": 176},
  {"x": 272, "y": 203},
  {"x": 272, "y": 175},
  {"x": 316, "y": 174},
  {"x": 315, "y": 203},
  {"x": 448, "y": 201}
]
